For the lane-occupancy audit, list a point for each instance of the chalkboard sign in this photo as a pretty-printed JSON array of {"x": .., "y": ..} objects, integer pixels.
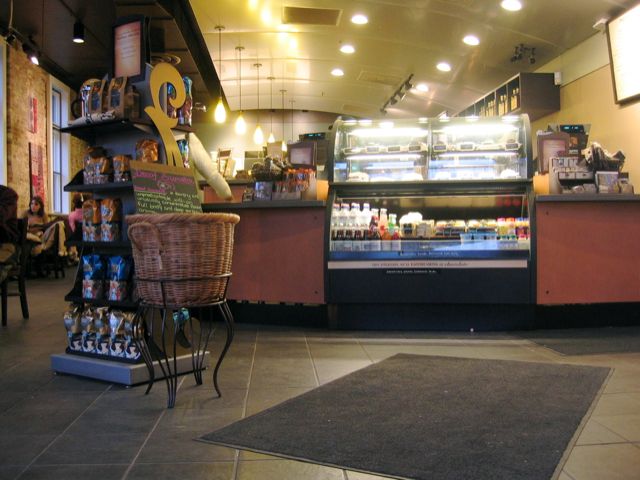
[{"x": 164, "y": 189}]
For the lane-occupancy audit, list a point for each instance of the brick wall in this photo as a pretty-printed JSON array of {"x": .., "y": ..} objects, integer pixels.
[{"x": 24, "y": 80}]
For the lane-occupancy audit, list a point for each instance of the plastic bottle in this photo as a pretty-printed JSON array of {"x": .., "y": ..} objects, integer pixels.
[
  {"x": 356, "y": 232},
  {"x": 384, "y": 229},
  {"x": 374, "y": 234},
  {"x": 394, "y": 230},
  {"x": 363, "y": 224},
  {"x": 335, "y": 213},
  {"x": 347, "y": 233}
]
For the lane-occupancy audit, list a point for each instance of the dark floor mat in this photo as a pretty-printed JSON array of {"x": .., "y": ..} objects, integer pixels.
[
  {"x": 428, "y": 417},
  {"x": 588, "y": 341}
]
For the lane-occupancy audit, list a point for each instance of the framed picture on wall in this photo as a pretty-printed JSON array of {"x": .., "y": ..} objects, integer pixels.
[
  {"x": 623, "y": 36},
  {"x": 36, "y": 171}
]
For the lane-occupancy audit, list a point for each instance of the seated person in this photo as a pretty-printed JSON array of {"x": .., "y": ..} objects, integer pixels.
[
  {"x": 41, "y": 232},
  {"x": 36, "y": 218},
  {"x": 76, "y": 215},
  {"x": 9, "y": 234}
]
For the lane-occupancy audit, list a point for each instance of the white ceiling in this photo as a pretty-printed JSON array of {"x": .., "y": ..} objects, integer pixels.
[{"x": 402, "y": 37}]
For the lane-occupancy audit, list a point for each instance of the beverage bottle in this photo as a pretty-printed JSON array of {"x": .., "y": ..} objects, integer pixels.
[
  {"x": 354, "y": 217},
  {"x": 383, "y": 229},
  {"x": 363, "y": 224},
  {"x": 394, "y": 230},
  {"x": 335, "y": 213},
  {"x": 502, "y": 228},
  {"x": 374, "y": 234},
  {"x": 383, "y": 221},
  {"x": 511, "y": 228},
  {"x": 347, "y": 231}
]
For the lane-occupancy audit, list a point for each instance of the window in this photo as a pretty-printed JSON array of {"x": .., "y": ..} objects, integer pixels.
[{"x": 59, "y": 147}]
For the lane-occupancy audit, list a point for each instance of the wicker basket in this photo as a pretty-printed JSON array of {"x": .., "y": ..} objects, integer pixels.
[{"x": 182, "y": 259}]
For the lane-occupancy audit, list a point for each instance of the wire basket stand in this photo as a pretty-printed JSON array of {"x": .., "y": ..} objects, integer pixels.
[{"x": 182, "y": 261}]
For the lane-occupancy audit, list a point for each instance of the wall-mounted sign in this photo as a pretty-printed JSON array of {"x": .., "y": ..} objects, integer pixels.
[
  {"x": 623, "y": 34},
  {"x": 130, "y": 47},
  {"x": 164, "y": 189}
]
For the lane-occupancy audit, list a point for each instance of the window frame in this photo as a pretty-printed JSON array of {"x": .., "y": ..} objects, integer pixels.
[{"x": 56, "y": 85}]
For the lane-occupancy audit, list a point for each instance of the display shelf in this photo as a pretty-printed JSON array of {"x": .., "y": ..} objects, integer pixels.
[
  {"x": 76, "y": 185},
  {"x": 88, "y": 131},
  {"x": 117, "y": 372},
  {"x": 120, "y": 245},
  {"x": 101, "y": 302},
  {"x": 532, "y": 93},
  {"x": 216, "y": 207}
]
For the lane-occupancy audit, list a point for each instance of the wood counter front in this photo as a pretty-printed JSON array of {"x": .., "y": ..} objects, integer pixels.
[
  {"x": 588, "y": 248},
  {"x": 278, "y": 253}
]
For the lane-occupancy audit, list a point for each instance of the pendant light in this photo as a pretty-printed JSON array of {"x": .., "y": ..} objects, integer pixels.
[
  {"x": 292, "y": 101},
  {"x": 271, "y": 138},
  {"x": 241, "y": 126},
  {"x": 284, "y": 144},
  {"x": 220, "y": 113},
  {"x": 258, "y": 136}
]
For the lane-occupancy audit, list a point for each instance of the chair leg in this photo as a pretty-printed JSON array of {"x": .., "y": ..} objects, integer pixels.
[
  {"x": 23, "y": 297},
  {"x": 4, "y": 303}
]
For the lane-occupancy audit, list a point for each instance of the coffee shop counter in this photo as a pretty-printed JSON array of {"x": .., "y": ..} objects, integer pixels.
[
  {"x": 278, "y": 253},
  {"x": 587, "y": 248}
]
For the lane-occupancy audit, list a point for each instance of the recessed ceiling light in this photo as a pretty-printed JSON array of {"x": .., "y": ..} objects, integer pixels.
[
  {"x": 444, "y": 67},
  {"x": 337, "y": 72},
  {"x": 511, "y": 5},
  {"x": 471, "y": 40},
  {"x": 359, "y": 19},
  {"x": 346, "y": 48},
  {"x": 422, "y": 87}
]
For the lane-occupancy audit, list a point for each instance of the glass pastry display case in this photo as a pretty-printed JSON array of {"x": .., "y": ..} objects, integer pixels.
[
  {"x": 468, "y": 148},
  {"x": 449, "y": 222}
]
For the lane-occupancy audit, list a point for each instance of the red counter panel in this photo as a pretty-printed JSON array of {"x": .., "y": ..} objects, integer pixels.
[
  {"x": 588, "y": 252},
  {"x": 278, "y": 256}
]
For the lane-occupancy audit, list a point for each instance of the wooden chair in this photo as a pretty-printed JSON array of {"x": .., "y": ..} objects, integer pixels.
[{"x": 18, "y": 274}]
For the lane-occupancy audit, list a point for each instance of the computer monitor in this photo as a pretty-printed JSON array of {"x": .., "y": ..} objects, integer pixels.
[{"x": 302, "y": 154}]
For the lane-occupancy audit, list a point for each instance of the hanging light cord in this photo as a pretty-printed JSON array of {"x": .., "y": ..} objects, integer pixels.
[
  {"x": 258, "y": 65},
  {"x": 220, "y": 27}
]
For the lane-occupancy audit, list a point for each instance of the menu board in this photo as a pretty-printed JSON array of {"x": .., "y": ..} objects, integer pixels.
[
  {"x": 623, "y": 34},
  {"x": 164, "y": 189}
]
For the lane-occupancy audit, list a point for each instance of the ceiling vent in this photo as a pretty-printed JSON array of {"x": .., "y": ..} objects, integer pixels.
[
  {"x": 379, "y": 78},
  {"x": 311, "y": 16}
]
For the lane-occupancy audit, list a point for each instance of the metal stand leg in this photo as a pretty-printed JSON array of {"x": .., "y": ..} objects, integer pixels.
[
  {"x": 204, "y": 335},
  {"x": 139, "y": 333},
  {"x": 228, "y": 320},
  {"x": 169, "y": 375}
]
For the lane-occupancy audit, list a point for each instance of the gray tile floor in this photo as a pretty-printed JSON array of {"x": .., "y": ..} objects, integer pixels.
[{"x": 55, "y": 426}]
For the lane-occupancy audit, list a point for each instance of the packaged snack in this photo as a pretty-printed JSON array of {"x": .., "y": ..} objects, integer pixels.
[
  {"x": 110, "y": 232},
  {"x": 92, "y": 289},
  {"x": 103, "y": 330},
  {"x": 118, "y": 290},
  {"x": 93, "y": 267},
  {"x": 110, "y": 209},
  {"x": 118, "y": 345},
  {"x": 121, "y": 168},
  {"x": 180, "y": 317},
  {"x": 132, "y": 351},
  {"x": 183, "y": 146},
  {"x": 147, "y": 150},
  {"x": 73, "y": 326},
  {"x": 88, "y": 330},
  {"x": 97, "y": 96},
  {"x": 91, "y": 162},
  {"x": 91, "y": 220},
  {"x": 119, "y": 268},
  {"x": 116, "y": 96}
]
